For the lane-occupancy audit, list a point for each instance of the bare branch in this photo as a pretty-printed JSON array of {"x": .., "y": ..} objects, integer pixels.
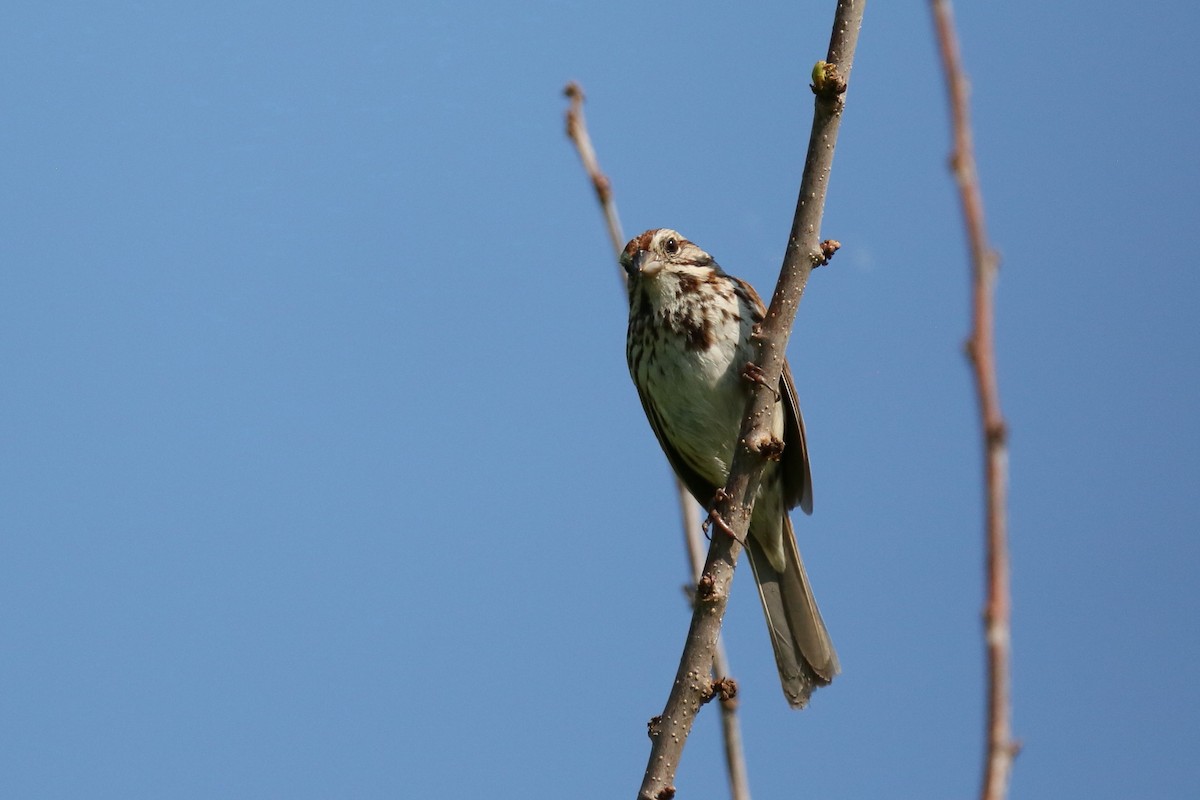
[
  {"x": 803, "y": 252},
  {"x": 735, "y": 759},
  {"x": 578, "y": 133},
  {"x": 1001, "y": 748}
]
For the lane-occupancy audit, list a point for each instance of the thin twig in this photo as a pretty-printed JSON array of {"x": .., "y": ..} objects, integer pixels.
[
  {"x": 1001, "y": 748},
  {"x": 578, "y": 133},
  {"x": 803, "y": 252},
  {"x": 735, "y": 758}
]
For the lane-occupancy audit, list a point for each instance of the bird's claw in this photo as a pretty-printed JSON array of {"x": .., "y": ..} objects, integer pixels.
[
  {"x": 755, "y": 374},
  {"x": 715, "y": 519}
]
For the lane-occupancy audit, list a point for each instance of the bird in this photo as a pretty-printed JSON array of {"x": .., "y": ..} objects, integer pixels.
[{"x": 688, "y": 344}]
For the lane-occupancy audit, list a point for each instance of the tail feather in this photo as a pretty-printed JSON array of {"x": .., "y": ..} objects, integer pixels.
[{"x": 803, "y": 650}]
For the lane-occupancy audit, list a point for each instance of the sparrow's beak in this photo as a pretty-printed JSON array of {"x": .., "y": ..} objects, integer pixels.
[{"x": 644, "y": 264}]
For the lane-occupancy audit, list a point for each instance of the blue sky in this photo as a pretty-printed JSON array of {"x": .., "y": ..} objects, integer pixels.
[{"x": 321, "y": 474}]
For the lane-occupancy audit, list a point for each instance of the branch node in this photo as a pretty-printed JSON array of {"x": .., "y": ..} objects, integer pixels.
[
  {"x": 726, "y": 689},
  {"x": 828, "y": 84},
  {"x": 665, "y": 793},
  {"x": 997, "y": 434},
  {"x": 705, "y": 587},
  {"x": 574, "y": 93},
  {"x": 654, "y": 727},
  {"x": 766, "y": 446},
  {"x": 828, "y": 248},
  {"x": 603, "y": 188}
]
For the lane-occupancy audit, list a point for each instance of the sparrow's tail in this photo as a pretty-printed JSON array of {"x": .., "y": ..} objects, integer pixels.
[{"x": 803, "y": 650}]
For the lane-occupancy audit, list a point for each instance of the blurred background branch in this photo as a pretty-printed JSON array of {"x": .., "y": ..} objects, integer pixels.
[
  {"x": 739, "y": 785},
  {"x": 981, "y": 351}
]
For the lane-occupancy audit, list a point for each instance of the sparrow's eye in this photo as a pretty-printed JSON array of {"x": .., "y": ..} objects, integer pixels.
[{"x": 671, "y": 245}]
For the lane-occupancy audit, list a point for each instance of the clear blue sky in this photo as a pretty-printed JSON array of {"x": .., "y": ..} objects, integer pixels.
[{"x": 321, "y": 474}]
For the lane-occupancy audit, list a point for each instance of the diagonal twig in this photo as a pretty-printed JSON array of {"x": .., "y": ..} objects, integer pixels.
[
  {"x": 735, "y": 759},
  {"x": 578, "y": 133},
  {"x": 803, "y": 252},
  {"x": 981, "y": 351}
]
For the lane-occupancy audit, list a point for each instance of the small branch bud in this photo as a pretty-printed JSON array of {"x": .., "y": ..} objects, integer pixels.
[
  {"x": 828, "y": 248},
  {"x": 654, "y": 727},
  {"x": 827, "y": 81}
]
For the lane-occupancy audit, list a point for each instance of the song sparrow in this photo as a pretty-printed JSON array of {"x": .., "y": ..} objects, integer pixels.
[{"x": 687, "y": 345}]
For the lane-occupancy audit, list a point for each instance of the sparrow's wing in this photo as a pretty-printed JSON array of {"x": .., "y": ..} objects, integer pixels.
[
  {"x": 797, "y": 478},
  {"x": 700, "y": 489}
]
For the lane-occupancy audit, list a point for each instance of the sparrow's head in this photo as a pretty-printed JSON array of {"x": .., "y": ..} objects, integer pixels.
[{"x": 650, "y": 253}]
